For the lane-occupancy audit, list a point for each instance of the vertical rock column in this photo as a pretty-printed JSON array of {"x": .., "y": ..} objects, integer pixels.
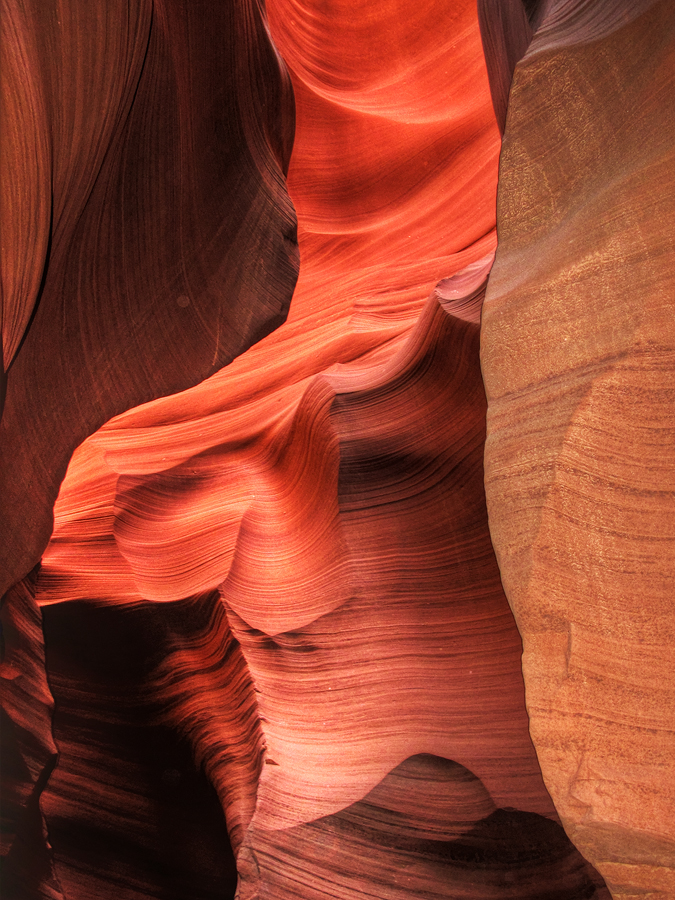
[{"x": 578, "y": 342}]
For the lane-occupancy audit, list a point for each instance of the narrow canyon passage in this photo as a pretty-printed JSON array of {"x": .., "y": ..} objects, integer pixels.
[{"x": 267, "y": 650}]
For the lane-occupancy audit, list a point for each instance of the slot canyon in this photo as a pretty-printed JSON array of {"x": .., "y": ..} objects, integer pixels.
[{"x": 337, "y": 450}]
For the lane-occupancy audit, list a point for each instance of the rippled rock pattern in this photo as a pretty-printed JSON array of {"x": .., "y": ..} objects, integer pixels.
[
  {"x": 579, "y": 365},
  {"x": 148, "y": 237},
  {"x": 128, "y": 812},
  {"x": 28, "y": 749},
  {"x": 142, "y": 159},
  {"x": 268, "y": 639}
]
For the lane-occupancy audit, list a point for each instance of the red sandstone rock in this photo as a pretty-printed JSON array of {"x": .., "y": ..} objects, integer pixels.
[
  {"x": 28, "y": 749},
  {"x": 577, "y": 354},
  {"x": 506, "y": 32},
  {"x": 419, "y": 657},
  {"x": 421, "y": 599},
  {"x": 142, "y": 174},
  {"x": 284, "y": 576},
  {"x": 128, "y": 812},
  {"x": 420, "y": 832}
]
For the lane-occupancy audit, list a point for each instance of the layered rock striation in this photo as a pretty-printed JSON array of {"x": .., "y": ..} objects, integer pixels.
[
  {"x": 149, "y": 238},
  {"x": 267, "y": 649},
  {"x": 577, "y": 356}
]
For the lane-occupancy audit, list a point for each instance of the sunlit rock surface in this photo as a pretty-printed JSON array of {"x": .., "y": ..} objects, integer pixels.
[
  {"x": 147, "y": 240},
  {"x": 578, "y": 357},
  {"x": 147, "y": 234},
  {"x": 280, "y": 654}
]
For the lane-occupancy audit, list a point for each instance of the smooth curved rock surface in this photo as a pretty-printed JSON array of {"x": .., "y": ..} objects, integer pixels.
[
  {"x": 358, "y": 661},
  {"x": 339, "y": 511},
  {"x": 421, "y": 599},
  {"x": 142, "y": 173},
  {"x": 275, "y": 629},
  {"x": 578, "y": 359},
  {"x": 131, "y": 807},
  {"x": 506, "y": 31},
  {"x": 428, "y": 829}
]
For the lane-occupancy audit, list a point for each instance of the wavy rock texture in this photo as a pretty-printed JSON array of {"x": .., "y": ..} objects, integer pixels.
[
  {"x": 364, "y": 610},
  {"x": 428, "y": 829},
  {"x": 506, "y": 28},
  {"x": 274, "y": 625},
  {"x": 578, "y": 359},
  {"x": 28, "y": 749},
  {"x": 128, "y": 813},
  {"x": 148, "y": 234},
  {"x": 147, "y": 239}
]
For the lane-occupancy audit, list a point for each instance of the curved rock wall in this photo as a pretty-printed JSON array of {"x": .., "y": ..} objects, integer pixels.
[
  {"x": 148, "y": 237},
  {"x": 577, "y": 355},
  {"x": 278, "y": 658}
]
